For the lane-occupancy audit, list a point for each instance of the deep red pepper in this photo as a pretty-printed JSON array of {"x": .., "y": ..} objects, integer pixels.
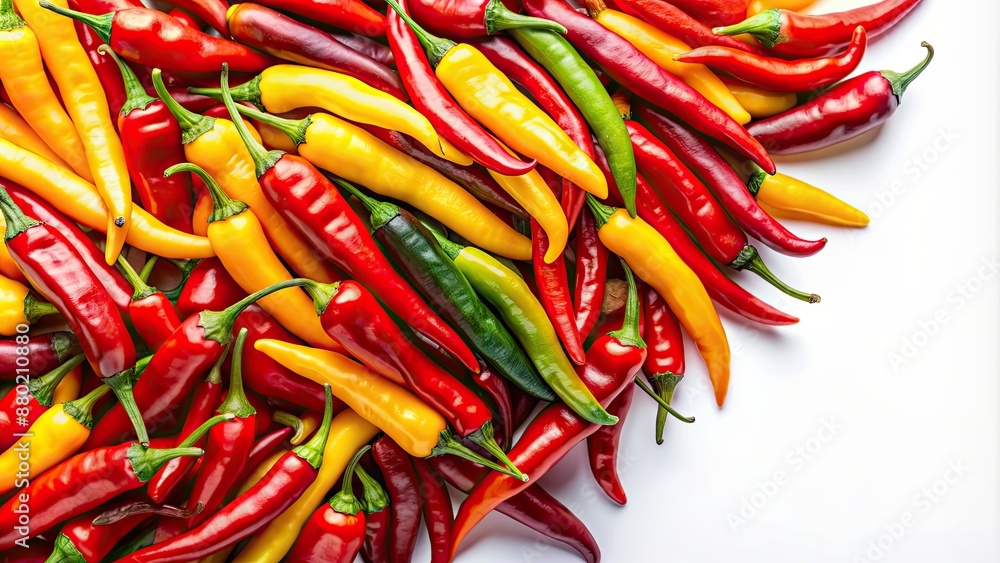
[
  {"x": 262, "y": 448},
  {"x": 438, "y": 514},
  {"x": 280, "y": 487},
  {"x": 102, "y": 6},
  {"x": 664, "y": 365},
  {"x": 107, "y": 71},
  {"x": 431, "y": 98},
  {"x": 842, "y": 112},
  {"x": 465, "y": 19},
  {"x": 352, "y": 15},
  {"x": 185, "y": 18},
  {"x": 404, "y": 493},
  {"x": 591, "y": 274},
  {"x": 801, "y": 75},
  {"x": 26, "y": 401},
  {"x": 44, "y": 353},
  {"x": 154, "y": 39},
  {"x": 281, "y": 36},
  {"x": 554, "y": 294},
  {"x": 503, "y": 414},
  {"x": 796, "y": 35},
  {"x": 208, "y": 288},
  {"x": 94, "y": 477},
  {"x": 378, "y": 515},
  {"x": 367, "y": 46},
  {"x": 676, "y": 22},
  {"x": 151, "y": 312},
  {"x": 640, "y": 75},
  {"x": 726, "y": 185},
  {"x": 714, "y": 12},
  {"x": 34, "y": 206},
  {"x": 602, "y": 449},
  {"x": 212, "y": 12}
]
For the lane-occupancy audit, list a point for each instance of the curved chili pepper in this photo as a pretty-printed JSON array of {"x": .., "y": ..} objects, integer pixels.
[
  {"x": 640, "y": 75},
  {"x": 758, "y": 102},
  {"x": 465, "y": 19},
  {"x": 250, "y": 511},
  {"x": 675, "y": 21},
  {"x": 212, "y": 12},
  {"x": 352, "y": 15},
  {"x": 281, "y": 36},
  {"x": 19, "y": 308},
  {"x": 29, "y": 399},
  {"x": 150, "y": 311},
  {"x": 553, "y": 292},
  {"x": 378, "y": 518},
  {"x": 437, "y": 510},
  {"x": 791, "y": 34},
  {"x": 15, "y": 129},
  {"x": 178, "y": 14},
  {"x": 503, "y": 413},
  {"x": 602, "y": 449},
  {"x": 208, "y": 288},
  {"x": 796, "y": 199},
  {"x": 42, "y": 353},
  {"x": 801, "y": 75},
  {"x": 714, "y": 12},
  {"x": 433, "y": 100},
  {"x": 405, "y": 500},
  {"x": 842, "y": 112},
  {"x": 664, "y": 365},
  {"x": 591, "y": 273},
  {"x": 728, "y": 188},
  {"x": 367, "y": 46}
]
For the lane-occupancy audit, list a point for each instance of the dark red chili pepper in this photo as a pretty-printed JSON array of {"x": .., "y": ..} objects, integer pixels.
[
  {"x": 405, "y": 501},
  {"x": 34, "y": 206},
  {"x": 154, "y": 39},
  {"x": 262, "y": 448},
  {"x": 839, "y": 113},
  {"x": 602, "y": 449},
  {"x": 554, "y": 294},
  {"x": 640, "y": 75},
  {"x": 107, "y": 71},
  {"x": 151, "y": 312},
  {"x": 800, "y": 75},
  {"x": 102, "y": 6},
  {"x": 729, "y": 189},
  {"x": 378, "y": 516},
  {"x": 701, "y": 213},
  {"x": 591, "y": 274},
  {"x": 367, "y": 46},
  {"x": 465, "y": 19},
  {"x": 42, "y": 353},
  {"x": 795, "y": 35},
  {"x": 431, "y": 98},
  {"x": 714, "y": 12},
  {"x": 185, "y": 18},
  {"x": 95, "y": 477},
  {"x": 437, "y": 510},
  {"x": 60, "y": 274},
  {"x": 664, "y": 365},
  {"x": 28, "y": 399},
  {"x": 208, "y": 288},
  {"x": 212, "y": 12},
  {"x": 503, "y": 414},
  {"x": 281, "y": 36},
  {"x": 352, "y": 15},
  {"x": 280, "y": 487},
  {"x": 523, "y": 407},
  {"x": 676, "y": 22}
]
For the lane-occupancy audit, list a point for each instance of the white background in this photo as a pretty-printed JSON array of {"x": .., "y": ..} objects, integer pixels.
[{"x": 898, "y": 426}]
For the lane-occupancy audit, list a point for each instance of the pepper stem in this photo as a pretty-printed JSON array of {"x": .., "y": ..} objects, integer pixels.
[
  {"x": 664, "y": 385},
  {"x": 345, "y": 502},
  {"x": 135, "y": 95},
  {"x": 223, "y": 206},
  {"x": 757, "y": 266},
  {"x": 218, "y": 325},
  {"x": 63, "y": 551},
  {"x": 312, "y": 451},
  {"x": 135, "y": 508},
  {"x": 602, "y": 213},
  {"x": 659, "y": 400},
  {"x": 247, "y": 92},
  {"x": 121, "y": 384},
  {"x": 448, "y": 444},
  {"x": 629, "y": 334},
  {"x": 82, "y": 409},
  {"x": 100, "y": 24},
  {"x": 375, "y": 499},
  {"x": 35, "y": 309},
  {"x": 295, "y": 129},
  {"x": 42, "y": 388},
  {"x": 236, "y": 399},
  {"x": 293, "y": 422},
  {"x": 765, "y": 26},
  {"x": 146, "y": 462},
  {"x": 381, "y": 211},
  {"x": 484, "y": 437},
  {"x": 436, "y": 47},
  {"x": 192, "y": 125},
  {"x": 65, "y": 344},
  {"x": 17, "y": 222},
  {"x": 756, "y": 180},
  {"x": 186, "y": 267},
  {"x": 900, "y": 81},
  {"x": 198, "y": 433},
  {"x": 321, "y": 294},
  {"x": 595, "y": 7},
  {"x": 263, "y": 159},
  {"x": 140, "y": 287},
  {"x": 451, "y": 248},
  {"x": 8, "y": 17},
  {"x": 147, "y": 268},
  {"x": 499, "y": 18}
]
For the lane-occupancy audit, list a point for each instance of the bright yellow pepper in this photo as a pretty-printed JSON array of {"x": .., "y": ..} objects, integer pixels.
[
  {"x": 758, "y": 6},
  {"x": 19, "y": 307},
  {"x": 758, "y": 102},
  {"x": 790, "y": 198}
]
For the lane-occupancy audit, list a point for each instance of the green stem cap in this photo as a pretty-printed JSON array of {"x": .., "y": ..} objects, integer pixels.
[
  {"x": 499, "y": 18},
  {"x": 35, "y": 309},
  {"x": 344, "y": 501},
  {"x": 382, "y": 211},
  {"x": 247, "y": 92},
  {"x": 448, "y": 444},
  {"x": 8, "y": 17},
  {"x": 121, "y": 383},
  {"x": 602, "y": 213},
  {"x": 659, "y": 400},
  {"x": 765, "y": 26},
  {"x": 198, "y": 433},
  {"x": 140, "y": 287},
  {"x": 263, "y": 159},
  {"x": 223, "y": 206},
  {"x": 136, "y": 96},
  {"x": 146, "y": 462},
  {"x": 218, "y": 325},
  {"x": 17, "y": 222},
  {"x": 629, "y": 334},
  {"x": 436, "y": 47},
  {"x": 756, "y": 265},
  {"x": 664, "y": 385},
  {"x": 900, "y": 81},
  {"x": 295, "y": 129},
  {"x": 484, "y": 437},
  {"x": 192, "y": 125},
  {"x": 375, "y": 499},
  {"x": 312, "y": 451},
  {"x": 451, "y": 248},
  {"x": 82, "y": 409},
  {"x": 100, "y": 24},
  {"x": 42, "y": 388},
  {"x": 236, "y": 399}
]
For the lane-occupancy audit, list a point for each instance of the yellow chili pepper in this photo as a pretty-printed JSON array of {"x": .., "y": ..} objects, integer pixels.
[
  {"x": 661, "y": 47},
  {"x": 202, "y": 211},
  {"x": 239, "y": 241},
  {"x": 15, "y": 129},
  {"x": 19, "y": 307},
  {"x": 79, "y": 199},
  {"x": 758, "y": 102},
  {"x": 8, "y": 267},
  {"x": 790, "y": 198},
  {"x": 758, "y": 6},
  {"x": 358, "y": 156},
  {"x": 85, "y": 102},
  {"x": 69, "y": 388},
  {"x": 282, "y": 88},
  {"x": 215, "y": 145},
  {"x": 653, "y": 259},
  {"x": 348, "y": 433}
]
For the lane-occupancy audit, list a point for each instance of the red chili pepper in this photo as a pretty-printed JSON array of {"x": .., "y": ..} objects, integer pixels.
[
  {"x": 676, "y": 22},
  {"x": 839, "y": 113},
  {"x": 431, "y": 98},
  {"x": 102, "y": 6},
  {"x": 151, "y": 312},
  {"x": 60, "y": 274},
  {"x": 95, "y": 477},
  {"x": 714, "y": 12},
  {"x": 208, "y": 288},
  {"x": 664, "y": 365},
  {"x": 281, "y": 36},
  {"x": 438, "y": 514},
  {"x": 367, "y": 46},
  {"x": 28, "y": 399},
  {"x": 404, "y": 493},
  {"x": 465, "y": 19},
  {"x": 262, "y": 448},
  {"x": 185, "y": 18},
  {"x": 727, "y": 186},
  {"x": 352, "y": 15},
  {"x": 591, "y": 273},
  {"x": 157, "y": 40},
  {"x": 801, "y": 75},
  {"x": 796, "y": 35},
  {"x": 511, "y": 60},
  {"x": 107, "y": 71},
  {"x": 34, "y": 206},
  {"x": 640, "y": 75},
  {"x": 212, "y": 12},
  {"x": 280, "y": 487},
  {"x": 553, "y": 292},
  {"x": 41, "y": 354},
  {"x": 503, "y": 414},
  {"x": 602, "y": 449}
]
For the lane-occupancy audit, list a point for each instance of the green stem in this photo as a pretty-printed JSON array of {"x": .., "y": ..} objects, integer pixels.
[
  {"x": 8, "y": 17},
  {"x": 295, "y": 129},
  {"x": 499, "y": 18},
  {"x": 42, "y": 388},
  {"x": 146, "y": 462},
  {"x": 121, "y": 384},
  {"x": 602, "y": 213},
  {"x": 147, "y": 268},
  {"x": 263, "y": 159},
  {"x": 218, "y": 325},
  {"x": 100, "y": 24},
  {"x": 451, "y": 248},
  {"x": 223, "y": 206},
  {"x": 321, "y": 294},
  {"x": 757, "y": 266},
  {"x": 448, "y": 444},
  {"x": 236, "y": 399},
  {"x": 35, "y": 309},
  {"x": 664, "y": 385},
  {"x": 63, "y": 551},
  {"x": 214, "y": 376},
  {"x": 17, "y": 222},
  {"x": 659, "y": 400},
  {"x": 381, "y": 211},
  {"x": 140, "y": 287},
  {"x": 191, "y": 439},
  {"x": 82, "y": 409},
  {"x": 293, "y": 422},
  {"x": 629, "y": 334},
  {"x": 136, "y": 96},
  {"x": 345, "y": 502},
  {"x": 192, "y": 125},
  {"x": 312, "y": 451},
  {"x": 65, "y": 345},
  {"x": 436, "y": 47},
  {"x": 756, "y": 180},
  {"x": 765, "y": 26},
  {"x": 484, "y": 437},
  {"x": 900, "y": 81},
  {"x": 375, "y": 499},
  {"x": 246, "y": 92}
]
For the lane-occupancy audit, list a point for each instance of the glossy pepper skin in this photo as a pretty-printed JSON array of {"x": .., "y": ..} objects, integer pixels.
[
  {"x": 714, "y": 12},
  {"x": 671, "y": 19},
  {"x": 758, "y": 102},
  {"x": 151, "y": 312},
  {"x": 15, "y": 129},
  {"x": 465, "y": 19},
  {"x": 378, "y": 517},
  {"x": 430, "y": 97},
  {"x": 283, "y": 37},
  {"x": 842, "y": 112},
  {"x": 437, "y": 510},
  {"x": 790, "y": 197},
  {"x": 801, "y": 75},
  {"x": 95, "y": 476},
  {"x": 212, "y": 12},
  {"x": 19, "y": 308},
  {"x": 28, "y": 399},
  {"x": 405, "y": 500},
  {"x": 602, "y": 449},
  {"x": 351, "y": 15},
  {"x": 45, "y": 352},
  {"x": 664, "y": 365},
  {"x": 640, "y": 75},
  {"x": 591, "y": 273},
  {"x": 208, "y": 288},
  {"x": 552, "y": 281}
]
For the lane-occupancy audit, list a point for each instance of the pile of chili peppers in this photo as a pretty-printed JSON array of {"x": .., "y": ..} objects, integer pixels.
[{"x": 396, "y": 234}]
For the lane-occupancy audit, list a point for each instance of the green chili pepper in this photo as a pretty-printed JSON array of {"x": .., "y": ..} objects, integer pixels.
[
  {"x": 582, "y": 86},
  {"x": 512, "y": 297},
  {"x": 414, "y": 249}
]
